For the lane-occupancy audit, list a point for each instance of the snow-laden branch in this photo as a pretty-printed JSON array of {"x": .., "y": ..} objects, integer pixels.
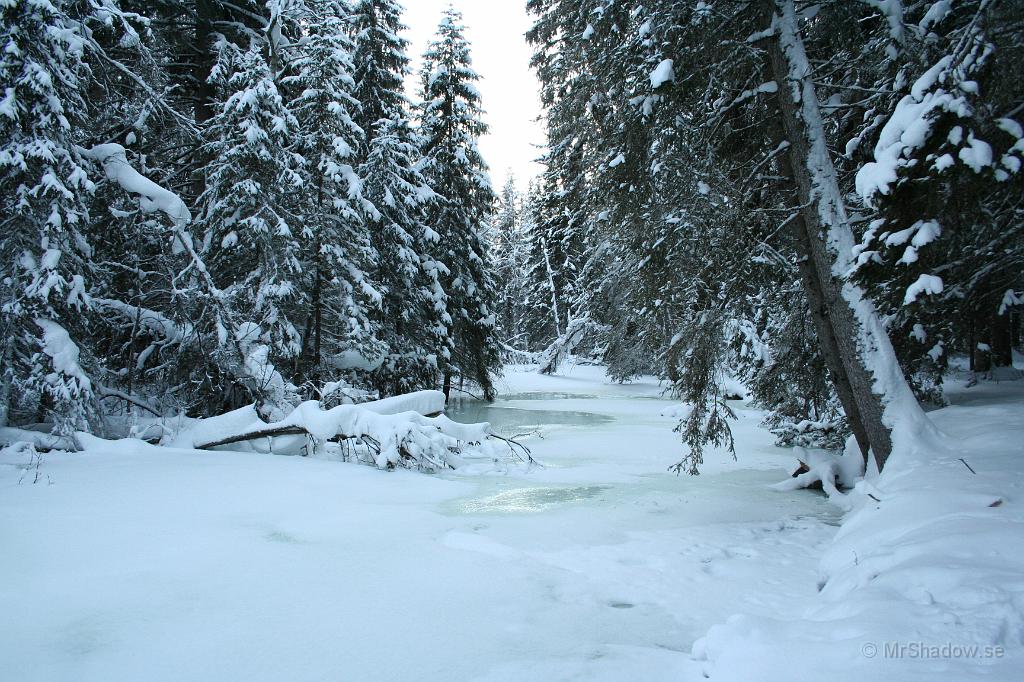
[
  {"x": 148, "y": 319},
  {"x": 152, "y": 197}
]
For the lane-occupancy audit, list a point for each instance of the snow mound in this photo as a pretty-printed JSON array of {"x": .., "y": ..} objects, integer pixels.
[{"x": 925, "y": 578}]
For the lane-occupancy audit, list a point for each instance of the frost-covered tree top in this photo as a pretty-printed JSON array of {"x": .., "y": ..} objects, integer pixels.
[
  {"x": 380, "y": 61},
  {"x": 324, "y": 104},
  {"x": 452, "y": 114}
]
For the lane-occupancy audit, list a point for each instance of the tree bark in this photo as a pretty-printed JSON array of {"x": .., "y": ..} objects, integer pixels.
[
  {"x": 1002, "y": 355},
  {"x": 6, "y": 369},
  {"x": 814, "y": 289},
  {"x": 861, "y": 343},
  {"x": 207, "y": 12}
]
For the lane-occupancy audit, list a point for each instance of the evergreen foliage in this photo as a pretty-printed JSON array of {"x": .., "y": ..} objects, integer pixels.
[
  {"x": 451, "y": 122},
  {"x": 313, "y": 267}
]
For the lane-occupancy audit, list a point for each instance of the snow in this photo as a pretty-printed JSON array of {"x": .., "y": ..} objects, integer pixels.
[
  {"x": 402, "y": 435},
  {"x": 925, "y": 284},
  {"x": 225, "y": 565},
  {"x": 977, "y": 154},
  {"x": 1010, "y": 298},
  {"x": 943, "y": 162},
  {"x": 829, "y": 470},
  {"x": 144, "y": 562},
  {"x": 925, "y": 578},
  {"x": 936, "y": 13},
  {"x": 1011, "y": 127},
  {"x": 908, "y": 129},
  {"x": 662, "y": 73},
  {"x": 63, "y": 352}
]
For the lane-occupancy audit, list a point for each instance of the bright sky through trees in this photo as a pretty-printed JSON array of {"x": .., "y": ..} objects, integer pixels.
[{"x": 501, "y": 56}]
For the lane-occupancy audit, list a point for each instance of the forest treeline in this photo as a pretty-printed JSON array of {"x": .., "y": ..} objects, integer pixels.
[
  {"x": 732, "y": 186},
  {"x": 210, "y": 204}
]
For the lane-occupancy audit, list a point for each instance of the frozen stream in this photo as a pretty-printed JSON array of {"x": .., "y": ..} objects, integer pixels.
[
  {"x": 622, "y": 550},
  {"x": 569, "y": 431},
  {"x": 137, "y": 562}
]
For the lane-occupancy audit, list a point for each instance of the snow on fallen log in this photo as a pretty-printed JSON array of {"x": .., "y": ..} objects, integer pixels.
[
  {"x": 828, "y": 471},
  {"x": 388, "y": 433},
  {"x": 40, "y": 440},
  {"x": 425, "y": 402}
]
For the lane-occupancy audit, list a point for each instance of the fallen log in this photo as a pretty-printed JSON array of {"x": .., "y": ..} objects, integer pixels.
[
  {"x": 383, "y": 433},
  {"x": 254, "y": 435}
]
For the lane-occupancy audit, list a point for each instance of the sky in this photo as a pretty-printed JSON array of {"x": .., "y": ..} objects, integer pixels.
[{"x": 496, "y": 31}]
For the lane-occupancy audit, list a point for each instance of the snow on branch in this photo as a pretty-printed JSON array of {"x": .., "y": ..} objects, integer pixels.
[
  {"x": 152, "y": 197},
  {"x": 148, "y": 319},
  {"x": 832, "y": 473},
  {"x": 64, "y": 354}
]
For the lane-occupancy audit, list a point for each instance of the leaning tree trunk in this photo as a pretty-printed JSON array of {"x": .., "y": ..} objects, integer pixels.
[
  {"x": 884, "y": 402},
  {"x": 814, "y": 291}
]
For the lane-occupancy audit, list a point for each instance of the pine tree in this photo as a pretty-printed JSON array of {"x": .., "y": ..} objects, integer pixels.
[
  {"x": 44, "y": 189},
  {"x": 413, "y": 316},
  {"x": 943, "y": 253},
  {"x": 380, "y": 63},
  {"x": 335, "y": 241},
  {"x": 414, "y": 319},
  {"x": 249, "y": 214},
  {"x": 450, "y": 125},
  {"x": 508, "y": 244}
]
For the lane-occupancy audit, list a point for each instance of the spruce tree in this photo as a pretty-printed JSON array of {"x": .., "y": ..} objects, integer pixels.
[
  {"x": 450, "y": 125},
  {"x": 412, "y": 317},
  {"x": 251, "y": 228},
  {"x": 380, "y": 63},
  {"x": 509, "y": 246},
  {"x": 44, "y": 194},
  {"x": 342, "y": 293}
]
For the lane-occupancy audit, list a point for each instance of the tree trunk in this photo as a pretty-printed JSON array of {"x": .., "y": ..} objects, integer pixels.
[
  {"x": 207, "y": 12},
  {"x": 551, "y": 284},
  {"x": 814, "y": 289},
  {"x": 861, "y": 343},
  {"x": 1002, "y": 354},
  {"x": 318, "y": 314},
  {"x": 6, "y": 370},
  {"x": 1014, "y": 330}
]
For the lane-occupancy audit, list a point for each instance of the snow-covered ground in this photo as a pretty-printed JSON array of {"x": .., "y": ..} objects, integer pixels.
[{"x": 132, "y": 562}]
